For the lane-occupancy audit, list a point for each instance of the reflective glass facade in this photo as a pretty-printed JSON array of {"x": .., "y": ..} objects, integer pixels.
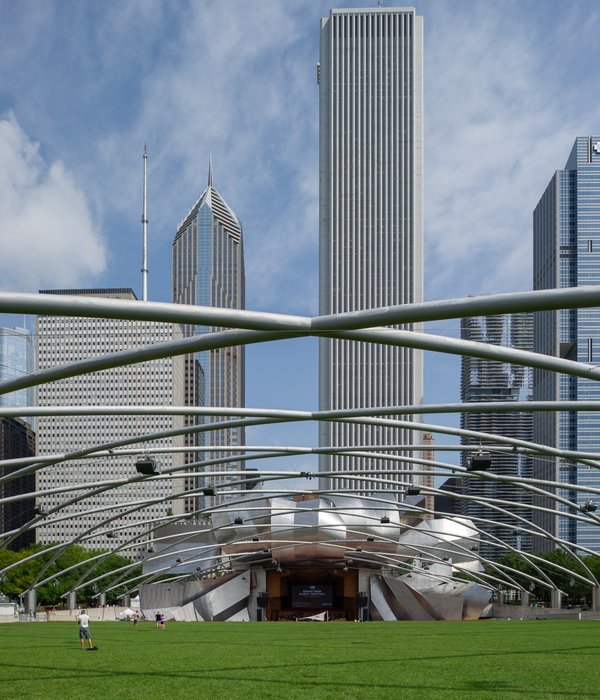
[
  {"x": 16, "y": 440},
  {"x": 208, "y": 270},
  {"x": 567, "y": 254},
  {"x": 490, "y": 380},
  {"x": 16, "y": 360}
]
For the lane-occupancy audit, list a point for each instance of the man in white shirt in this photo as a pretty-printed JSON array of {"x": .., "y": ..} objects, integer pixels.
[{"x": 84, "y": 629}]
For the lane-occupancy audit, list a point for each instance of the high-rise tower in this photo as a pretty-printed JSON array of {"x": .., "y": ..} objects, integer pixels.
[
  {"x": 16, "y": 360},
  {"x": 208, "y": 270},
  {"x": 490, "y": 380},
  {"x": 370, "y": 218},
  {"x": 17, "y": 439},
  {"x": 16, "y": 435},
  {"x": 62, "y": 340},
  {"x": 566, "y": 253}
]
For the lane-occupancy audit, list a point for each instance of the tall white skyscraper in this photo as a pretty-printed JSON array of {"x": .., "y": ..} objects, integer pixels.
[
  {"x": 371, "y": 219},
  {"x": 61, "y": 340}
]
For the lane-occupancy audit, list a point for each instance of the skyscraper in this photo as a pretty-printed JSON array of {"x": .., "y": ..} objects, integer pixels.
[
  {"x": 16, "y": 360},
  {"x": 566, "y": 247},
  {"x": 16, "y": 440},
  {"x": 208, "y": 270},
  {"x": 370, "y": 218},
  {"x": 62, "y": 340},
  {"x": 490, "y": 380}
]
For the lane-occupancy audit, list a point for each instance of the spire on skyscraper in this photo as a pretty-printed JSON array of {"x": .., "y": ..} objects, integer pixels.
[{"x": 212, "y": 199}]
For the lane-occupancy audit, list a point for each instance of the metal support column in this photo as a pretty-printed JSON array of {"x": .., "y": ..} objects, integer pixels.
[
  {"x": 596, "y": 598},
  {"x": 31, "y": 601}
]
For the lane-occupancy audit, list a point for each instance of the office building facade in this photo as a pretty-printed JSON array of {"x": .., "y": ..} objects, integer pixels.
[
  {"x": 208, "y": 270},
  {"x": 17, "y": 440},
  {"x": 566, "y": 240},
  {"x": 16, "y": 360},
  {"x": 507, "y": 520},
  {"x": 370, "y": 222},
  {"x": 63, "y": 340}
]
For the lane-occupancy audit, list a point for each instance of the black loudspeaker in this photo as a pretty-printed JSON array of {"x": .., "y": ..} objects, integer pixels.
[
  {"x": 147, "y": 466},
  {"x": 480, "y": 461},
  {"x": 262, "y": 600},
  {"x": 362, "y": 600}
]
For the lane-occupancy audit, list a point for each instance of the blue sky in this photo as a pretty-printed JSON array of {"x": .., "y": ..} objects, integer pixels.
[{"x": 508, "y": 87}]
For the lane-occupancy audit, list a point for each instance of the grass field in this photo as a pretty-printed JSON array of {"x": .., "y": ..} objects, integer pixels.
[{"x": 489, "y": 659}]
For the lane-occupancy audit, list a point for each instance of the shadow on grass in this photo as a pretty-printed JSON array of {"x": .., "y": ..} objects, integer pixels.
[{"x": 239, "y": 674}]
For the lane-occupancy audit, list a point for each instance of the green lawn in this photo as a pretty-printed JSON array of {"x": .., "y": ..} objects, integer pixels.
[{"x": 488, "y": 659}]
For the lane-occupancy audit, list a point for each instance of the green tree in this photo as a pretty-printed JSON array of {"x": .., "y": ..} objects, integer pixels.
[
  {"x": 16, "y": 581},
  {"x": 574, "y": 589}
]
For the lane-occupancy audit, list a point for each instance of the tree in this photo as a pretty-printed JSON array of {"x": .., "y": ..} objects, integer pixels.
[
  {"x": 575, "y": 589},
  {"x": 18, "y": 580}
]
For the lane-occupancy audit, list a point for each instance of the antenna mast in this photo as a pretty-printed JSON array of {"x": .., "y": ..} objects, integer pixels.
[{"x": 145, "y": 235}]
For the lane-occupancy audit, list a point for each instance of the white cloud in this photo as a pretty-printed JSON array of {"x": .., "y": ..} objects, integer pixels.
[
  {"x": 228, "y": 84},
  {"x": 237, "y": 79},
  {"x": 502, "y": 111},
  {"x": 47, "y": 233}
]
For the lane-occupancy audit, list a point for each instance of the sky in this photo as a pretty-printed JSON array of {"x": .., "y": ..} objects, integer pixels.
[{"x": 508, "y": 86}]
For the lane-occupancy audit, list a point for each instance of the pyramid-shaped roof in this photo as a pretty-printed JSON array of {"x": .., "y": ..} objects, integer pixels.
[{"x": 221, "y": 210}]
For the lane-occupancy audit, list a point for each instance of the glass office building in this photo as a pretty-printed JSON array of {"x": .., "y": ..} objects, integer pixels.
[
  {"x": 16, "y": 360},
  {"x": 370, "y": 222},
  {"x": 208, "y": 270},
  {"x": 507, "y": 519},
  {"x": 567, "y": 254}
]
